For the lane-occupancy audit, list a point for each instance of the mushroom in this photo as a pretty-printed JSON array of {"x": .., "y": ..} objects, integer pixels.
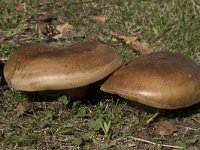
[
  {"x": 165, "y": 80},
  {"x": 39, "y": 67}
]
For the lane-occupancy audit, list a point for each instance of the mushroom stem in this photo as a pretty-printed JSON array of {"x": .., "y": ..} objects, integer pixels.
[{"x": 75, "y": 93}]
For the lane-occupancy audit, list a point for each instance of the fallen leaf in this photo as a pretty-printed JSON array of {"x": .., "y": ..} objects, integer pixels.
[
  {"x": 66, "y": 31},
  {"x": 165, "y": 128},
  {"x": 62, "y": 27},
  {"x": 126, "y": 39},
  {"x": 101, "y": 19},
  {"x": 139, "y": 46},
  {"x": 21, "y": 8},
  {"x": 23, "y": 108},
  {"x": 46, "y": 17}
]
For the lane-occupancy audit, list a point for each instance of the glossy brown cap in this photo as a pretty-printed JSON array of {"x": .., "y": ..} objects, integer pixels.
[
  {"x": 163, "y": 80},
  {"x": 38, "y": 67}
]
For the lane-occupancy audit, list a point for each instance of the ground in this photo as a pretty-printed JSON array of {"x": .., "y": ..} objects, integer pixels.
[{"x": 108, "y": 122}]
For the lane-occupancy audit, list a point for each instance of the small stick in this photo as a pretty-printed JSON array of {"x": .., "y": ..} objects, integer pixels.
[
  {"x": 153, "y": 143},
  {"x": 152, "y": 119}
]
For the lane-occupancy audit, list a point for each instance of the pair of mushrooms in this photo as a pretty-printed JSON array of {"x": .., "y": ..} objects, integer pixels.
[{"x": 163, "y": 80}]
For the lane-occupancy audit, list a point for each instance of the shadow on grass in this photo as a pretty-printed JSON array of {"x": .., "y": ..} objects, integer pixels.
[
  {"x": 92, "y": 96},
  {"x": 172, "y": 113}
]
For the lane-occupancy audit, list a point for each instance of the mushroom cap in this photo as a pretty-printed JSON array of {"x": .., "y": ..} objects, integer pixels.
[
  {"x": 39, "y": 67},
  {"x": 163, "y": 80}
]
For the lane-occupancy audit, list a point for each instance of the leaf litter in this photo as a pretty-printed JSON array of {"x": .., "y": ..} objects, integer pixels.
[
  {"x": 23, "y": 108},
  {"x": 165, "y": 128},
  {"x": 66, "y": 31},
  {"x": 141, "y": 47}
]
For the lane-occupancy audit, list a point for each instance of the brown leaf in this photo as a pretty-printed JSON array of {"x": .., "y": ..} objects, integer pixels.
[
  {"x": 140, "y": 47},
  {"x": 62, "y": 27},
  {"x": 46, "y": 17},
  {"x": 21, "y": 8},
  {"x": 101, "y": 19},
  {"x": 66, "y": 31},
  {"x": 23, "y": 108},
  {"x": 126, "y": 39},
  {"x": 165, "y": 128}
]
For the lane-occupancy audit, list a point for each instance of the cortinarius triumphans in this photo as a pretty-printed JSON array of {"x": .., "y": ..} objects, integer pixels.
[
  {"x": 39, "y": 67},
  {"x": 164, "y": 80}
]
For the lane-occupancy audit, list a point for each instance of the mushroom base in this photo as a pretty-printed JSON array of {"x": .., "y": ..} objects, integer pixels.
[{"x": 73, "y": 94}]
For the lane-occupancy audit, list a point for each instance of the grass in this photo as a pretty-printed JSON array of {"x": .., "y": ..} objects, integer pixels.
[{"x": 110, "y": 123}]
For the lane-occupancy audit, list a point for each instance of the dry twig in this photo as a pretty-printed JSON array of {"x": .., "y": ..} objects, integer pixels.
[{"x": 153, "y": 143}]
